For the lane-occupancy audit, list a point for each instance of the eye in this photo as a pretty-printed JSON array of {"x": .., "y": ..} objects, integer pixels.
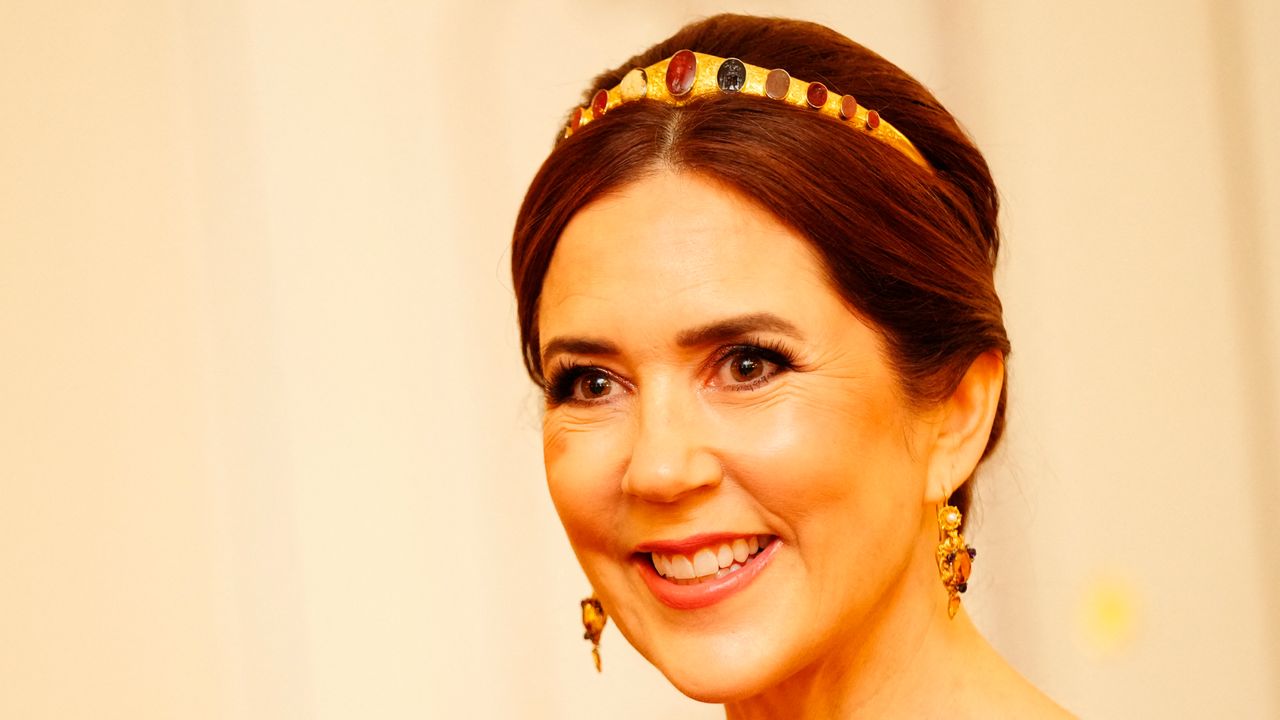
[
  {"x": 745, "y": 368},
  {"x": 592, "y": 385},
  {"x": 580, "y": 385},
  {"x": 748, "y": 367}
]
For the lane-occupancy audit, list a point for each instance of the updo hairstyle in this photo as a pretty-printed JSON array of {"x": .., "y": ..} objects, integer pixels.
[{"x": 912, "y": 252}]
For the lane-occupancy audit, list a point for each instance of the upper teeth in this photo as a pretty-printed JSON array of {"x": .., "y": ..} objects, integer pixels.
[{"x": 710, "y": 560}]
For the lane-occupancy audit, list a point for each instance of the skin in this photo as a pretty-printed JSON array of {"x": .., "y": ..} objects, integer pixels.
[{"x": 654, "y": 437}]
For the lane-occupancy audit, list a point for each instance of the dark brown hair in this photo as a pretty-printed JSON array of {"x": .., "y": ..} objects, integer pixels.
[{"x": 911, "y": 252}]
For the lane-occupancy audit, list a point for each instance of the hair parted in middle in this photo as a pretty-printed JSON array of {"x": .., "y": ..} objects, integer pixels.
[{"x": 911, "y": 252}]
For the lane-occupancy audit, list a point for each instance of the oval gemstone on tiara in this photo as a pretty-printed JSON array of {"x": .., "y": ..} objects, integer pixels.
[
  {"x": 816, "y": 95},
  {"x": 679, "y": 74},
  {"x": 848, "y": 107},
  {"x": 777, "y": 83},
  {"x": 635, "y": 85},
  {"x": 682, "y": 70},
  {"x": 731, "y": 76}
]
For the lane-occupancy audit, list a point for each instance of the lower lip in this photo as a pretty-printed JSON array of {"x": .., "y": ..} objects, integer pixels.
[{"x": 708, "y": 592}]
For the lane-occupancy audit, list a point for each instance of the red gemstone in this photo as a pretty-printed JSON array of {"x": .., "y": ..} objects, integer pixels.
[
  {"x": 817, "y": 95},
  {"x": 576, "y": 121},
  {"x": 682, "y": 70},
  {"x": 848, "y": 107},
  {"x": 873, "y": 119},
  {"x": 599, "y": 103}
]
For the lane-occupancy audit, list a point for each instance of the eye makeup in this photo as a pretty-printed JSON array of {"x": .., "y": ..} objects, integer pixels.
[{"x": 563, "y": 380}]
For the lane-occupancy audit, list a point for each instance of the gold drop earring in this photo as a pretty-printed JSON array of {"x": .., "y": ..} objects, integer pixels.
[
  {"x": 955, "y": 558},
  {"x": 593, "y": 619}
]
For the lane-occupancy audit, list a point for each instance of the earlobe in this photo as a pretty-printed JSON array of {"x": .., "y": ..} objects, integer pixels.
[{"x": 966, "y": 420}]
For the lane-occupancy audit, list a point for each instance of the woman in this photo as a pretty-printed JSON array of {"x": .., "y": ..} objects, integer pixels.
[{"x": 773, "y": 356}]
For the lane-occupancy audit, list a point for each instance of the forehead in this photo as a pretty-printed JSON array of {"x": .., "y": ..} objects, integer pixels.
[{"x": 676, "y": 249}]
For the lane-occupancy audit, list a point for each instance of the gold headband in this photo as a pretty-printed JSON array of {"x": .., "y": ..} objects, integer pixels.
[{"x": 688, "y": 75}]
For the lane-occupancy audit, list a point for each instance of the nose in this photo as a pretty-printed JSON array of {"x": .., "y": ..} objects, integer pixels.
[{"x": 669, "y": 458}]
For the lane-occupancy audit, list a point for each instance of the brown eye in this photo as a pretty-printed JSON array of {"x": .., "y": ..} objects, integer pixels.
[
  {"x": 745, "y": 368},
  {"x": 594, "y": 385}
]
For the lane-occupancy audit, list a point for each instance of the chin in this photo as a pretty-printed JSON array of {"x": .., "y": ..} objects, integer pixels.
[
  {"x": 731, "y": 644},
  {"x": 717, "y": 668},
  {"x": 716, "y": 682}
]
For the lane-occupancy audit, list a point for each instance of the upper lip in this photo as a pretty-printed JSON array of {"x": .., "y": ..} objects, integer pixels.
[{"x": 693, "y": 542}]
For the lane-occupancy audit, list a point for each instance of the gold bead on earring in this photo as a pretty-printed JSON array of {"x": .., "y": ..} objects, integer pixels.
[
  {"x": 593, "y": 619},
  {"x": 955, "y": 558}
]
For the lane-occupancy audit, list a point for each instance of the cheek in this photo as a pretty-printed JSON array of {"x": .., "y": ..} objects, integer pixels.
[
  {"x": 583, "y": 460},
  {"x": 824, "y": 459}
]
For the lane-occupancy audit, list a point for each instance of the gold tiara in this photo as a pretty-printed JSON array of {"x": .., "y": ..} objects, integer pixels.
[{"x": 688, "y": 75}]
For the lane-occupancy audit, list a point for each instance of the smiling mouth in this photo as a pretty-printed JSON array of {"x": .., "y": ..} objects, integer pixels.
[{"x": 710, "y": 562}]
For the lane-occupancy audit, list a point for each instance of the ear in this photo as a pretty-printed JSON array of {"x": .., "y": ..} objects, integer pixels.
[{"x": 964, "y": 426}]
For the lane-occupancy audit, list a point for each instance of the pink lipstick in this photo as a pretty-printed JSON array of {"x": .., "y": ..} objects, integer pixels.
[{"x": 668, "y": 571}]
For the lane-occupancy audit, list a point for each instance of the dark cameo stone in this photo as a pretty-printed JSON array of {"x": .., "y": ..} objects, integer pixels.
[
  {"x": 732, "y": 75},
  {"x": 816, "y": 95},
  {"x": 777, "y": 84},
  {"x": 682, "y": 70},
  {"x": 575, "y": 121},
  {"x": 873, "y": 119}
]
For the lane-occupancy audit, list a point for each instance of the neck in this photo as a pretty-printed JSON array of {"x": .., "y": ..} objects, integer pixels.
[{"x": 901, "y": 661}]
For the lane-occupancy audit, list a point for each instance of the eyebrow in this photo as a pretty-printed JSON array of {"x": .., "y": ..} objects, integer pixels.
[
  {"x": 735, "y": 327},
  {"x": 718, "y": 331},
  {"x": 577, "y": 346}
]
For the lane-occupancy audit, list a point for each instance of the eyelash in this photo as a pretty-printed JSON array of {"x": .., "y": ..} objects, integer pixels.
[
  {"x": 770, "y": 351},
  {"x": 563, "y": 379}
]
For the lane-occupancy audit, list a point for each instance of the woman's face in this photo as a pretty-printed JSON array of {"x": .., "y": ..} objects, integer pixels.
[{"x": 708, "y": 388}]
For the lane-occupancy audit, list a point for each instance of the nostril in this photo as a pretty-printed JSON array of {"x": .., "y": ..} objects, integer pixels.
[{"x": 669, "y": 476}]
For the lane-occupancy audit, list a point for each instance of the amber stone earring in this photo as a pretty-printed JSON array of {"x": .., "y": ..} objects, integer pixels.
[
  {"x": 593, "y": 619},
  {"x": 955, "y": 558}
]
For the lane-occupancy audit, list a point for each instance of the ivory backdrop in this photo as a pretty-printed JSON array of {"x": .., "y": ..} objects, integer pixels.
[{"x": 266, "y": 448}]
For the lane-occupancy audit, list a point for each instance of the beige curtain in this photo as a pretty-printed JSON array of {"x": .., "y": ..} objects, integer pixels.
[{"x": 267, "y": 451}]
